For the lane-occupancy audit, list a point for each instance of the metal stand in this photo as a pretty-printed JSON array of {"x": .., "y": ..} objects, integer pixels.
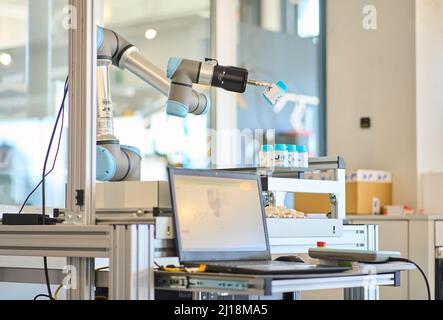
[
  {"x": 82, "y": 127},
  {"x": 280, "y": 181},
  {"x": 131, "y": 263},
  {"x": 362, "y": 293},
  {"x": 83, "y": 290},
  {"x": 129, "y": 249},
  {"x": 294, "y": 182}
]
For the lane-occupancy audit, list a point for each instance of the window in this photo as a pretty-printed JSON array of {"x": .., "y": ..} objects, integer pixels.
[
  {"x": 284, "y": 40},
  {"x": 33, "y": 69}
]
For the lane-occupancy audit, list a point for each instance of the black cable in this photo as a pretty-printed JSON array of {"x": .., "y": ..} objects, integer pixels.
[
  {"x": 44, "y": 174},
  {"x": 60, "y": 112},
  {"x": 53, "y": 163},
  {"x": 428, "y": 288},
  {"x": 48, "y": 283}
]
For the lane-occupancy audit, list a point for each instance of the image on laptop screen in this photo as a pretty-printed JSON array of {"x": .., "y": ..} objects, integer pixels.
[{"x": 219, "y": 214}]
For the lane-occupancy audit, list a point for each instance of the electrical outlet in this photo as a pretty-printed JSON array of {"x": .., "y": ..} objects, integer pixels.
[{"x": 365, "y": 123}]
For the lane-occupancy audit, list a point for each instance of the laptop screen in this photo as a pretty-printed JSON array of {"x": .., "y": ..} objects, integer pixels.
[{"x": 218, "y": 215}]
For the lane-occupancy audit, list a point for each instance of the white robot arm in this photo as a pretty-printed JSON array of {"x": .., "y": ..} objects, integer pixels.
[
  {"x": 120, "y": 163},
  {"x": 114, "y": 161}
]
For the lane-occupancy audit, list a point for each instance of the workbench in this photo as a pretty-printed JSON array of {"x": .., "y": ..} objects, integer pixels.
[{"x": 357, "y": 283}]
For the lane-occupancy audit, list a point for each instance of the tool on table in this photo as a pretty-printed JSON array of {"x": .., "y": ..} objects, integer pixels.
[
  {"x": 367, "y": 257},
  {"x": 353, "y": 255},
  {"x": 172, "y": 268}
]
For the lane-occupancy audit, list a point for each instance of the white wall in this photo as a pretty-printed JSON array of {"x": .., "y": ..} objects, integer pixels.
[
  {"x": 429, "y": 38},
  {"x": 372, "y": 73}
]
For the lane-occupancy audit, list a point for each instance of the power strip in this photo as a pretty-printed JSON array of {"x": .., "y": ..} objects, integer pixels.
[{"x": 23, "y": 219}]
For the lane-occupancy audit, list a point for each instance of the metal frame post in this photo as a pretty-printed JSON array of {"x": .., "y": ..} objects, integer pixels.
[
  {"x": 369, "y": 292},
  {"x": 83, "y": 287},
  {"x": 339, "y": 207},
  {"x": 82, "y": 114},
  {"x": 131, "y": 262},
  {"x": 80, "y": 198}
]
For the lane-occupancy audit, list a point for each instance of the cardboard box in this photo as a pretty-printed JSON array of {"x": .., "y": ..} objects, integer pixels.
[
  {"x": 360, "y": 196},
  {"x": 368, "y": 191},
  {"x": 363, "y": 187},
  {"x": 312, "y": 203}
]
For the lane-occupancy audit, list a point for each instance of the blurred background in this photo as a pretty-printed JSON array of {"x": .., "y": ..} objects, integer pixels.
[
  {"x": 276, "y": 40},
  {"x": 364, "y": 82}
]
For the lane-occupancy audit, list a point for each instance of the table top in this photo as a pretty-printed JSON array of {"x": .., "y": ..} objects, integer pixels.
[
  {"x": 358, "y": 269},
  {"x": 266, "y": 284}
]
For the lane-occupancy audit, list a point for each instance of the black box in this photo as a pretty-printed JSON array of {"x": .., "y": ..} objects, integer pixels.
[{"x": 24, "y": 219}]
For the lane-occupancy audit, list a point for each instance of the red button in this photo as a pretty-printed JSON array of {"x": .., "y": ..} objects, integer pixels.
[{"x": 321, "y": 244}]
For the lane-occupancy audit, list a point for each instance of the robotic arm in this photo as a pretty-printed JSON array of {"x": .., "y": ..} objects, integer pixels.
[
  {"x": 112, "y": 48},
  {"x": 118, "y": 163},
  {"x": 114, "y": 161}
]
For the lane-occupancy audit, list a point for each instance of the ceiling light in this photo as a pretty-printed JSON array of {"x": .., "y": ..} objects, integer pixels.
[
  {"x": 5, "y": 59},
  {"x": 150, "y": 34}
]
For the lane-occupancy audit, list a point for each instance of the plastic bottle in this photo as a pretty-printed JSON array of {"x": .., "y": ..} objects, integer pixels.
[
  {"x": 281, "y": 155},
  {"x": 292, "y": 156},
  {"x": 266, "y": 157},
  {"x": 303, "y": 156}
]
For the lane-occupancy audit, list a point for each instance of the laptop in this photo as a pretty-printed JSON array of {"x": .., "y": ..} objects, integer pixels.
[{"x": 220, "y": 222}]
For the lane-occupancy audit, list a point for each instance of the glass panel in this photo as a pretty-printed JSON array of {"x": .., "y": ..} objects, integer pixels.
[
  {"x": 160, "y": 30},
  {"x": 33, "y": 69},
  {"x": 281, "y": 40}
]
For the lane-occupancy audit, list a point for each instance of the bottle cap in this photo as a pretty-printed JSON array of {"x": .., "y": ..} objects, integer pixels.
[
  {"x": 292, "y": 148},
  {"x": 321, "y": 244},
  {"x": 282, "y": 86},
  {"x": 267, "y": 148},
  {"x": 280, "y": 147},
  {"x": 302, "y": 149}
]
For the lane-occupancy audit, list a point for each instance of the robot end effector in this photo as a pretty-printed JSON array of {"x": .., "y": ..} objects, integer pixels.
[{"x": 183, "y": 73}]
